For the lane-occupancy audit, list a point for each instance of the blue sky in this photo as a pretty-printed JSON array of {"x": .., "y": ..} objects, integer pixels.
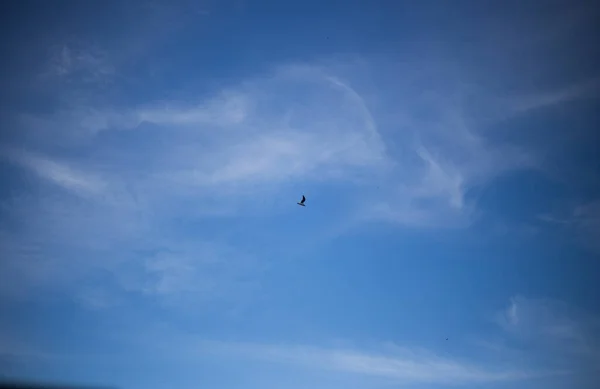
[{"x": 152, "y": 154}]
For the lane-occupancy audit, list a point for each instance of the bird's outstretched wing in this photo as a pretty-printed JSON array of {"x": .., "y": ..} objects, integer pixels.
[{"x": 303, "y": 200}]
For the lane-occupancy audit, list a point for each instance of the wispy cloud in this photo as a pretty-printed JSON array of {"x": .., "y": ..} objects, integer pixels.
[
  {"x": 75, "y": 66},
  {"x": 148, "y": 164},
  {"x": 581, "y": 90},
  {"x": 581, "y": 222},
  {"x": 564, "y": 334},
  {"x": 586, "y": 218},
  {"x": 56, "y": 172},
  {"x": 242, "y": 140},
  {"x": 146, "y": 167},
  {"x": 445, "y": 151},
  {"x": 303, "y": 122},
  {"x": 403, "y": 366}
]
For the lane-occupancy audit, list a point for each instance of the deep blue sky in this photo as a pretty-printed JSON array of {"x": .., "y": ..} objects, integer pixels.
[{"x": 152, "y": 154}]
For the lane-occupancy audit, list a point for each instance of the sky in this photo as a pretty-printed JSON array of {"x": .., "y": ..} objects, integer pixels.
[{"x": 152, "y": 155}]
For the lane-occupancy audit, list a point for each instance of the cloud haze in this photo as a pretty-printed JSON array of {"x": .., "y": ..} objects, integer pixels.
[{"x": 152, "y": 156}]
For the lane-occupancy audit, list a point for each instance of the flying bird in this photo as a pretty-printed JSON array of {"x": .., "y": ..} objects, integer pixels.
[{"x": 302, "y": 201}]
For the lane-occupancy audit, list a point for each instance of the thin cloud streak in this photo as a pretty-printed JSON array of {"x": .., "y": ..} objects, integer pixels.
[
  {"x": 57, "y": 173},
  {"x": 405, "y": 367},
  {"x": 566, "y": 94},
  {"x": 296, "y": 124},
  {"x": 227, "y": 140},
  {"x": 562, "y": 334}
]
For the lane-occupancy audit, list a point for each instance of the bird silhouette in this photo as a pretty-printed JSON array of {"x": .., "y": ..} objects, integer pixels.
[{"x": 302, "y": 201}]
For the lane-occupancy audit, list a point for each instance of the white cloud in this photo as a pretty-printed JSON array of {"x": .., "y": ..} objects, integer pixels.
[
  {"x": 526, "y": 315},
  {"x": 389, "y": 364},
  {"x": 229, "y": 108},
  {"x": 581, "y": 221},
  {"x": 586, "y": 219},
  {"x": 79, "y": 65},
  {"x": 302, "y": 123},
  {"x": 137, "y": 171},
  {"x": 140, "y": 168},
  {"x": 403, "y": 366},
  {"x": 57, "y": 173},
  {"x": 566, "y": 335},
  {"x": 294, "y": 124},
  {"x": 192, "y": 273},
  {"x": 97, "y": 299},
  {"x": 551, "y": 98},
  {"x": 440, "y": 157},
  {"x": 14, "y": 349}
]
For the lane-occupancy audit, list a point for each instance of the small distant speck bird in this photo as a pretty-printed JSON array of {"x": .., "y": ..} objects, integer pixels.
[{"x": 302, "y": 201}]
